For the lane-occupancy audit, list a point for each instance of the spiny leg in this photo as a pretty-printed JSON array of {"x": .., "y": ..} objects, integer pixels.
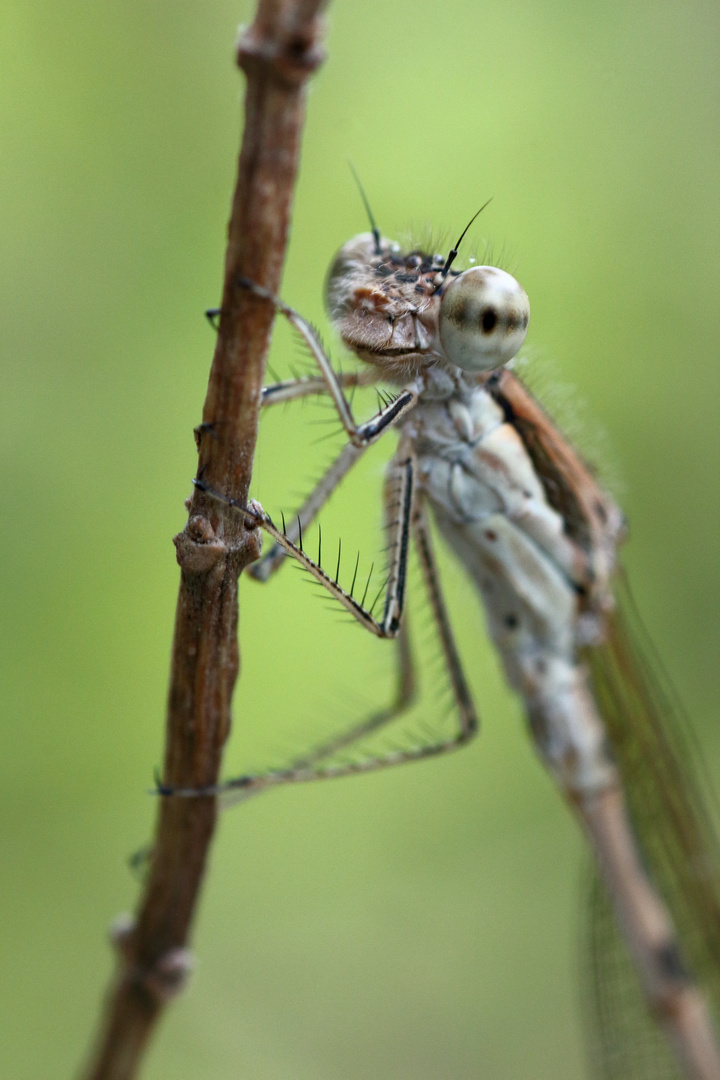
[
  {"x": 359, "y": 434},
  {"x": 308, "y": 768},
  {"x": 306, "y": 386},
  {"x": 405, "y": 691},
  {"x": 292, "y": 389},
  {"x": 268, "y": 564},
  {"x": 309, "y": 385},
  {"x": 399, "y": 490},
  {"x": 461, "y": 692},
  {"x": 398, "y": 495}
]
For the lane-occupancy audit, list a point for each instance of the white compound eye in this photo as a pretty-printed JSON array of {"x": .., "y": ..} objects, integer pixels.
[{"x": 484, "y": 315}]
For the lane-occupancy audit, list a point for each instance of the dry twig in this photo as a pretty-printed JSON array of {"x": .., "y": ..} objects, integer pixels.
[{"x": 278, "y": 53}]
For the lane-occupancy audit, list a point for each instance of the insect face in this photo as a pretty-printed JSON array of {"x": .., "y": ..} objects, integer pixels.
[
  {"x": 403, "y": 311},
  {"x": 484, "y": 315}
]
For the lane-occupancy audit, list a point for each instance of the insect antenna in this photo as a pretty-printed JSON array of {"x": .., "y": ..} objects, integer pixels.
[
  {"x": 453, "y": 251},
  {"x": 368, "y": 211}
]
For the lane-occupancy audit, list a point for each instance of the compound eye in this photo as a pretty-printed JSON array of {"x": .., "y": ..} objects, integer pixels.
[{"x": 484, "y": 315}]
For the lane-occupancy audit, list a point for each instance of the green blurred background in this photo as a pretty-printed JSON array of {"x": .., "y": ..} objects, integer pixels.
[{"x": 421, "y": 923}]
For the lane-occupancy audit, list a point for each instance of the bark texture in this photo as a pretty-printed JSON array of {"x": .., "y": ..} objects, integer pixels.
[{"x": 278, "y": 54}]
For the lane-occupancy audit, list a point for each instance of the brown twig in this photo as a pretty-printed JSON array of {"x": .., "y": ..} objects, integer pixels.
[{"x": 278, "y": 53}]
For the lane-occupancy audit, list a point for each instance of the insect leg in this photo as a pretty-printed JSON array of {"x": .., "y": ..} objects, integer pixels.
[
  {"x": 308, "y": 385},
  {"x": 465, "y": 705},
  {"x": 398, "y": 512},
  {"x": 405, "y": 692},
  {"x": 310, "y": 769},
  {"x": 359, "y": 434},
  {"x": 268, "y": 564},
  {"x": 399, "y": 486}
]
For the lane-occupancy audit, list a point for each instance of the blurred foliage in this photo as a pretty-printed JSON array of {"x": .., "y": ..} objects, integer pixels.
[{"x": 420, "y": 923}]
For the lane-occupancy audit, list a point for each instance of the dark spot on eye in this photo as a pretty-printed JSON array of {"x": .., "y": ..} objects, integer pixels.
[
  {"x": 490, "y": 535},
  {"x": 524, "y": 320},
  {"x": 488, "y": 319},
  {"x": 512, "y": 622},
  {"x": 406, "y": 279},
  {"x": 383, "y": 271},
  {"x": 512, "y": 320},
  {"x": 527, "y": 494},
  {"x": 414, "y": 260}
]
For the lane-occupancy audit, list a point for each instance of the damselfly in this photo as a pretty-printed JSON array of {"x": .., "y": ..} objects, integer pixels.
[{"x": 538, "y": 536}]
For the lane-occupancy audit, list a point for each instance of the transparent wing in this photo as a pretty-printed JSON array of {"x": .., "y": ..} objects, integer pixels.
[
  {"x": 623, "y": 1041},
  {"x": 653, "y": 745}
]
